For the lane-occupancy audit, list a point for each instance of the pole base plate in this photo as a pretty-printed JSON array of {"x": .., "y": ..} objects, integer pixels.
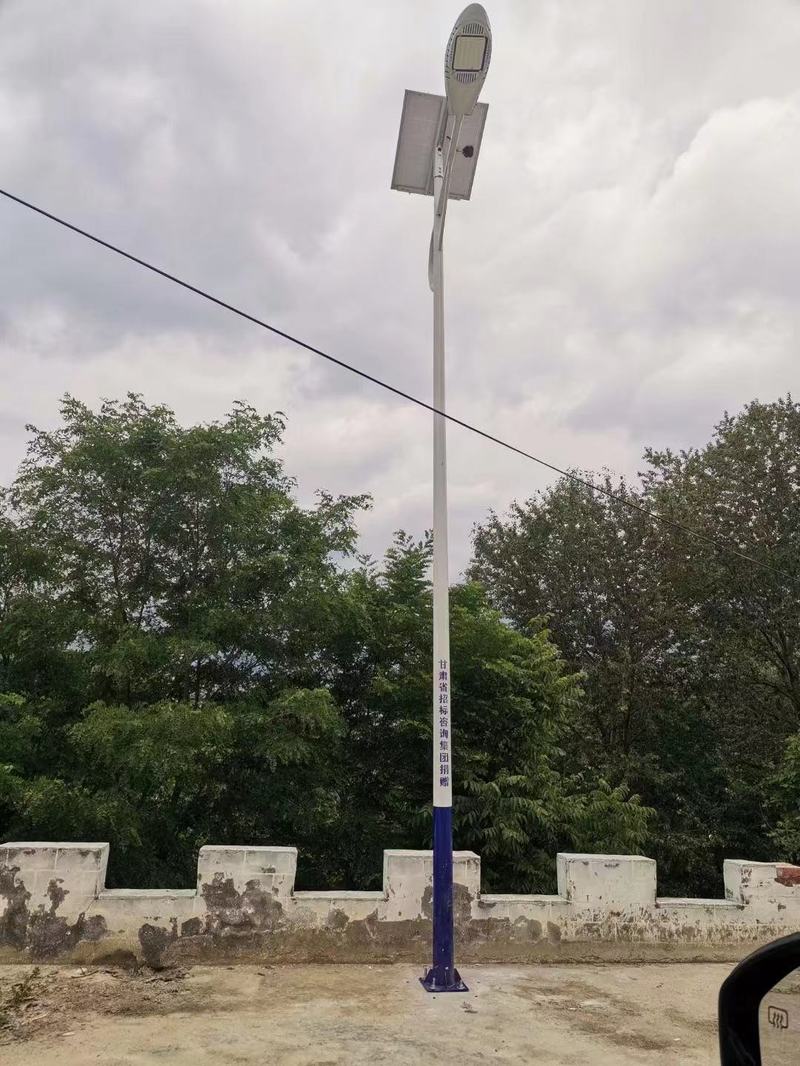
[{"x": 441, "y": 979}]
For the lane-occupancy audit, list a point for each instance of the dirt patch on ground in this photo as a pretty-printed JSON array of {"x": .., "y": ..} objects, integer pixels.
[
  {"x": 306, "y": 1015},
  {"x": 42, "y": 1001},
  {"x": 615, "y": 1014}
]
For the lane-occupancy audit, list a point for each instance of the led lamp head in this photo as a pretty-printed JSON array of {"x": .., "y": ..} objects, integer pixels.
[{"x": 466, "y": 60}]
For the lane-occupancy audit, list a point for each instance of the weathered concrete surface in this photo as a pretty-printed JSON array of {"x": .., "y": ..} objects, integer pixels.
[
  {"x": 53, "y": 905},
  {"x": 352, "y": 1015}
]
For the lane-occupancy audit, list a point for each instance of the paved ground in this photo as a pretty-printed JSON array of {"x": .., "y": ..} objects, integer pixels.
[{"x": 659, "y": 1015}]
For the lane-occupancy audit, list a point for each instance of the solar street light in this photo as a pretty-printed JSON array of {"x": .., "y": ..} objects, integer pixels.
[{"x": 437, "y": 152}]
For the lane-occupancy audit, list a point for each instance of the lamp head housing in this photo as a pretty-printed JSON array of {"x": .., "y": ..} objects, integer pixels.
[{"x": 466, "y": 60}]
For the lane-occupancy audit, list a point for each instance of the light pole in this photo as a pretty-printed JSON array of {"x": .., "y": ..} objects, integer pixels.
[{"x": 436, "y": 154}]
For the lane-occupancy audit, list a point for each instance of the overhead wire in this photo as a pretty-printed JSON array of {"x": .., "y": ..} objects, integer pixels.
[{"x": 366, "y": 376}]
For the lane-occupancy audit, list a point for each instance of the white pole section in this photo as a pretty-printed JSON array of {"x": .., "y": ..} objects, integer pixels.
[{"x": 442, "y": 748}]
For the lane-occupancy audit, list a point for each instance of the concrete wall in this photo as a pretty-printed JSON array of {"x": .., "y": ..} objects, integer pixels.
[{"x": 54, "y": 906}]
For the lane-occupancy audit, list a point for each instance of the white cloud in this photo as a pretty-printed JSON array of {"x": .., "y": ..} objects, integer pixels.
[{"x": 625, "y": 270}]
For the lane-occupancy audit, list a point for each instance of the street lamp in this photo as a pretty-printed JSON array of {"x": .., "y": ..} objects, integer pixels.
[{"x": 437, "y": 152}]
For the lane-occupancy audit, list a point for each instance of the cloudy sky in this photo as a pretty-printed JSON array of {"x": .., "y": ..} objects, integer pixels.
[{"x": 627, "y": 268}]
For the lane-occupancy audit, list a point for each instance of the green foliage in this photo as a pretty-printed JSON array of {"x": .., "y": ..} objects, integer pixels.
[
  {"x": 690, "y": 656},
  {"x": 197, "y": 658},
  {"x": 611, "y": 815},
  {"x": 785, "y": 802},
  {"x": 511, "y": 701},
  {"x": 187, "y": 655}
]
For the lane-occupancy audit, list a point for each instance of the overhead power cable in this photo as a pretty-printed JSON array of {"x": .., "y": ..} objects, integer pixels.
[{"x": 672, "y": 523}]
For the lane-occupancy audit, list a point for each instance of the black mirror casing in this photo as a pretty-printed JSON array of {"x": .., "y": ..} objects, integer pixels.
[{"x": 741, "y": 995}]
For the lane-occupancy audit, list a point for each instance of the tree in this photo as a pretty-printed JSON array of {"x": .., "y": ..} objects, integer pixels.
[
  {"x": 585, "y": 562},
  {"x": 512, "y": 700},
  {"x": 737, "y": 617},
  {"x": 689, "y": 653},
  {"x": 183, "y": 593},
  {"x": 183, "y": 562},
  {"x": 743, "y": 491},
  {"x": 190, "y": 656}
]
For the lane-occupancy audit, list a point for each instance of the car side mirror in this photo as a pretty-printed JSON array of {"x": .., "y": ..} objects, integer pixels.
[{"x": 759, "y": 1007}]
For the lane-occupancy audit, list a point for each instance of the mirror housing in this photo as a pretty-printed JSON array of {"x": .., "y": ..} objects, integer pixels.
[{"x": 741, "y": 994}]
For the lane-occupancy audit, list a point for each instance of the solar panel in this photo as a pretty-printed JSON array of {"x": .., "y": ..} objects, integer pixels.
[{"x": 422, "y": 127}]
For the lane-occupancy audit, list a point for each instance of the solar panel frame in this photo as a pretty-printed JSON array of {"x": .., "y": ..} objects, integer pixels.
[{"x": 422, "y": 126}]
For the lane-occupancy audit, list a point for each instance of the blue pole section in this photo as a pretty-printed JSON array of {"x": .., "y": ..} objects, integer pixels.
[
  {"x": 443, "y": 946},
  {"x": 443, "y": 975}
]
